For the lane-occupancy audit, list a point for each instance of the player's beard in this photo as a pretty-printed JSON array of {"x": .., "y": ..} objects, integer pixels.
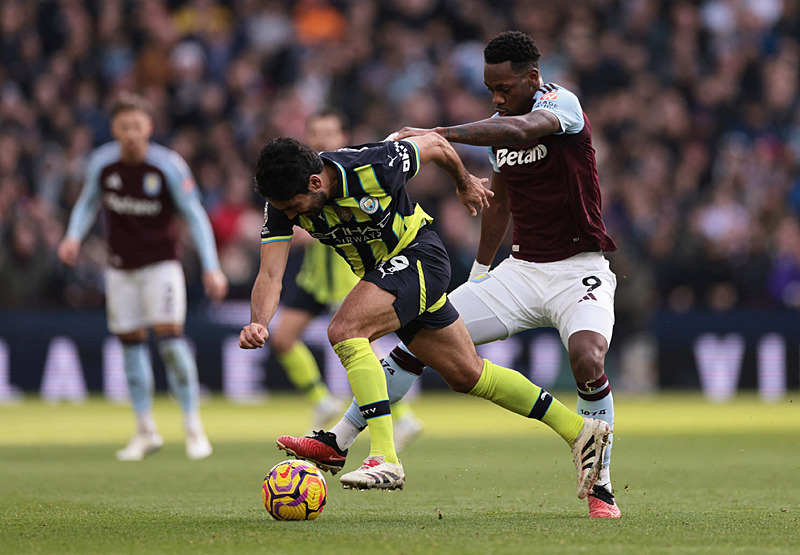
[{"x": 318, "y": 200}]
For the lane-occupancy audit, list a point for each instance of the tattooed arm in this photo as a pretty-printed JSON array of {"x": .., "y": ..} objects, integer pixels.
[{"x": 498, "y": 131}]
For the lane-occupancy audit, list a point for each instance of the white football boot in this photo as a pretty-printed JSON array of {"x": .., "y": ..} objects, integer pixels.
[
  {"x": 140, "y": 446},
  {"x": 197, "y": 446},
  {"x": 375, "y": 473},
  {"x": 587, "y": 453}
]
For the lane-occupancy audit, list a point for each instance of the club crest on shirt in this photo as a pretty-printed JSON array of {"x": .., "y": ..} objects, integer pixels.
[
  {"x": 368, "y": 205},
  {"x": 114, "y": 182},
  {"x": 345, "y": 214},
  {"x": 151, "y": 184}
]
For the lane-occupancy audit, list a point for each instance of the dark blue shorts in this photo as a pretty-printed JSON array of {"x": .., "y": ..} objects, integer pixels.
[
  {"x": 300, "y": 299},
  {"x": 418, "y": 277}
]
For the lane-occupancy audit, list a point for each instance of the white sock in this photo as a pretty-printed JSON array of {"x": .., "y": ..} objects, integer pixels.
[
  {"x": 602, "y": 409},
  {"x": 145, "y": 423},
  {"x": 192, "y": 423},
  {"x": 346, "y": 432}
]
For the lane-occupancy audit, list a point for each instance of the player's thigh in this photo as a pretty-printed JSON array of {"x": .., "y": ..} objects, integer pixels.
[
  {"x": 483, "y": 323},
  {"x": 164, "y": 297},
  {"x": 124, "y": 307},
  {"x": 450, "y": 352},
  {"x": 585, "y": 299},
  {"x": 507, "y": 300},
  {"x": 367, "y": 311}
]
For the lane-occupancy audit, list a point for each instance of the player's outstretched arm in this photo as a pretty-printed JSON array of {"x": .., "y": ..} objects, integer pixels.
[
  {"x": 471, "y": 190},
  {"x": 497, "y": 131},
  {"x": 266, "y": 294}
]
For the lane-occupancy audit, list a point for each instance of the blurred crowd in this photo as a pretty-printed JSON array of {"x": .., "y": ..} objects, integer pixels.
[{"x": 694, "y": 106}]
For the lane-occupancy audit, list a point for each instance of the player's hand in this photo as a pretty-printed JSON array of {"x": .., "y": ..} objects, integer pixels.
[
  {"x": 478, "y": 269},
  {"x": 473, "y": 193},
  {"x": 215, "y": 284},
  {"x": 406, "y": 132},
  {"x": 68, "y": 251},
  {"x": 253, "y": 336}
]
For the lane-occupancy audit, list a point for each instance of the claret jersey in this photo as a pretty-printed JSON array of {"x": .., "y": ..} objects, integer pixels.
[
  {"x": 370, "y": 218},
  {"x": 553, "y": 186},
  {"x": 139, "y": 204}
]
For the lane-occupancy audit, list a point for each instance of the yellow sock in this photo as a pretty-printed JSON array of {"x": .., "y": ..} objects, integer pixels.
[
  {"x": 513, "y": 391},
  {"x": 368, "y": 382},
  {"x": 303, "y": 371}
]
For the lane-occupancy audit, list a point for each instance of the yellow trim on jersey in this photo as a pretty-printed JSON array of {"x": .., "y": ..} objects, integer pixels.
[
  {"x": 406, "y": 229},
  {"x": 265, "y": 240},
  {"x": 438, "y": 304},
  {"x": 416, "y": 156},
  {"x": 369, "y": 181},
  {"x": 353, "y": 258},
  {"x": 343, "y": 177},
  {"x": 423, "y": 292},
  {"x": 380, "y": 252}
]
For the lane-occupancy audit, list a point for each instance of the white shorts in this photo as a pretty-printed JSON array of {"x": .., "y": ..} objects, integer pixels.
[
  {"x": 153, "y": 294},
  {"x": 569, "y": 295}
]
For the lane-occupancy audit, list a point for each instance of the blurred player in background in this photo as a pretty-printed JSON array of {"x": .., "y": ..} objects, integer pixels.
[
  {"x": 324, "y": 280},
  {"x": 355, "y": 200},
  {"x": 545, "y": 176},
  {"x": 141, "y": 186}
]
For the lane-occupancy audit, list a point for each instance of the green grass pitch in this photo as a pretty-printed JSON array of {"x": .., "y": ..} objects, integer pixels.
[{"x": 690, "y": 477}]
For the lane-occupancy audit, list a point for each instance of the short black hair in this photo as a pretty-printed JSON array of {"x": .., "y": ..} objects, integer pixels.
[
  {"x": 515, "y": 47},
  {"x": 283, "y": 168}
]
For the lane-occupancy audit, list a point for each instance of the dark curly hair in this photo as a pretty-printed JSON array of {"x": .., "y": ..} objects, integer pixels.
[
  {"x": 283, "y": 168},
  {"x": 515, "y": 47}
]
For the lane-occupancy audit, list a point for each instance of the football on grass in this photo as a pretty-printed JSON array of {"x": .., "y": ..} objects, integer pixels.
[{"x": 294, "y": 490}]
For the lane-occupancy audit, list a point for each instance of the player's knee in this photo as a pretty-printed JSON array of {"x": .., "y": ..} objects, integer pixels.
[
  {"x": 338, "y": 331},
  {"x": 587, "y": 365},
  {"x": 133, "y": 337},
  {"x": 462, "y": 378},
  {"x": 167, "y": 330}
]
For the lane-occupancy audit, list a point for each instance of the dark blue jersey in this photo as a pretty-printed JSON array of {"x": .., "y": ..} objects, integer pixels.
[{"x": 370, "y": 217}]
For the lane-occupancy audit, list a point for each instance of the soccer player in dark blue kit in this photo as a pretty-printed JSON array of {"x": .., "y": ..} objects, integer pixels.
[{"x": 354, "y": 200}]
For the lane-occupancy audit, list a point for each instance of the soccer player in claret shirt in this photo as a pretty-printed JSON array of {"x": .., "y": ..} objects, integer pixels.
[
  {"x": 545, "y": 176},
  {"x": 141, "y": 187},
  {"x": 354, "y": 200}
]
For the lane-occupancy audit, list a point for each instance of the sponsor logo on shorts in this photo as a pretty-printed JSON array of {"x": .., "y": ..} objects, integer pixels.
[{"x": 393, "y": 265}]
